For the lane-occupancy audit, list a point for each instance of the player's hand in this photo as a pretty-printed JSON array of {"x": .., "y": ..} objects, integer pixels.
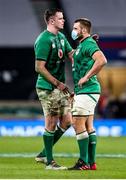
[
  {"x": 61, "y": 86},
  {"x": 71, "y": 94},
  {"x": 95, "y": 37},
  {"x": 71, "y": 97},
  {"x": 82, "y": 81}
]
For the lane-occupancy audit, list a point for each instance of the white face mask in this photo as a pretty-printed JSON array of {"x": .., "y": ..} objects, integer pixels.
[{"x": 74, "y": 35}]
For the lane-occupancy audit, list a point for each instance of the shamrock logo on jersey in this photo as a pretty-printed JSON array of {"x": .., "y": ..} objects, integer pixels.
[{"x": 62, "y": 42}]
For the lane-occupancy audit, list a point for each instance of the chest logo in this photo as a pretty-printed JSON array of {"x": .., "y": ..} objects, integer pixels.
[{"x": 60, "y": 53}]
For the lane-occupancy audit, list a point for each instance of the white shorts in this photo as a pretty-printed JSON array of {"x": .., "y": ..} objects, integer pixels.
[{"x": 84, "y": 104}]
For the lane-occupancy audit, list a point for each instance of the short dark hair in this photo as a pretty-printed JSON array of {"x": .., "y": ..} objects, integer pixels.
[
  {"x": 85, "y": 23},
  {"x": 51, "y": 12}
]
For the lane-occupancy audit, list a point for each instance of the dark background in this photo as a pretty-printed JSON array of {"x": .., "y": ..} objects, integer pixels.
[{"x": 21, "y": 21}]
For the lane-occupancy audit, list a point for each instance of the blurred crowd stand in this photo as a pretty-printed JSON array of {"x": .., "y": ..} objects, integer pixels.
[{"x": 29, "y": 109}]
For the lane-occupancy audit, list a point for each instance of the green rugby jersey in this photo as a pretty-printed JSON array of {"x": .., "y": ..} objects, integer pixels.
[
  {"x": 53, "y": 49},
  {"x": 83, "y": 62}
]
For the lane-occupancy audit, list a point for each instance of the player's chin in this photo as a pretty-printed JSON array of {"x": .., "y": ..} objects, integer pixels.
[{"x": 61, "y": 27}]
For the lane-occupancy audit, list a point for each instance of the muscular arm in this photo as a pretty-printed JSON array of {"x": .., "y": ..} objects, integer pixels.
[
  {"x": 41, "y": 69},
  {"x": 100, "y": 61}
]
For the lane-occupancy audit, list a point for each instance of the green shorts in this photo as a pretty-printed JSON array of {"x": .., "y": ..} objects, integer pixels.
[{"x": 54, "y": 102}]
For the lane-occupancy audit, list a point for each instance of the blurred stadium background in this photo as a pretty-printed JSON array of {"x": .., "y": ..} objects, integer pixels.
[{"x": 20, "y": 23}]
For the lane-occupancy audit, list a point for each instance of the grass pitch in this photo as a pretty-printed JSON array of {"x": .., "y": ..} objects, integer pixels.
[{"x": 17, "y": 159}]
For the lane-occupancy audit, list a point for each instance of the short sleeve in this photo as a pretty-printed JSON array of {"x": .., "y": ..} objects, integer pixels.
[
  {"x": 91, "y": 48},
  {"x": 42, "y": 49}
]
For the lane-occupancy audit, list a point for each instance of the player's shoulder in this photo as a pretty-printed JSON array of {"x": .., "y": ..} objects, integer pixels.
[
  {"x": 90, "y": 40},
  {"x": 42, "y": 37},
  {"x": 61, "y": 35}
]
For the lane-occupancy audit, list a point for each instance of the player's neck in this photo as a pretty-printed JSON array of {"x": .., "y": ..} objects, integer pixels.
[
  {"x": 84, "y": 37},
  {"x": 52, "y": 29}
]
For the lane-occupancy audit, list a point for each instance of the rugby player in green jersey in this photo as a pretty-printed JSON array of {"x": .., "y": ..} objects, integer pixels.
[
  {"x": 88, "y": 61},
  {"x": 51, "y": 49}
]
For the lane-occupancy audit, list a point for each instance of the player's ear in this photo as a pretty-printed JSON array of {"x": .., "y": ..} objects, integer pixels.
[
  {"x": 52, "y": 21},
  {"x": 84, "y": 30}
]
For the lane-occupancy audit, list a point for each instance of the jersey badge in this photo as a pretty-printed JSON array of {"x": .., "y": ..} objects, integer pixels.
[
  {"x": 62, "y": 42},
  {"x": 60, "y": 53}
]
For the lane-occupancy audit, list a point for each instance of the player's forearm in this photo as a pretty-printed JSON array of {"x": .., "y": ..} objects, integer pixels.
[
  {"x": 98, "y": 65},
  {"x": 70, "y": 55},
  {"x": 100, "y": 61},
  {"x": 44, "y": 72}
]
